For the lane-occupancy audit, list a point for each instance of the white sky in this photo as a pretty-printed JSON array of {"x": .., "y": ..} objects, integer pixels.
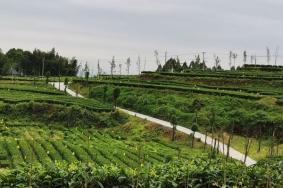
[{"x": 100, "y": 29}]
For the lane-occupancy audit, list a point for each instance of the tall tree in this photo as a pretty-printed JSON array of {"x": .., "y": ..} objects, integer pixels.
[
  {"x": 245, "y": 57},
  {"x": 105, "y": 88},
  {"x": 86, "y": 71},
  {"x": 212, "y": 121},
  {"x": 234, "y": 58},
  {"x": 194, "y": 129},
  {"x": 173, "y": 122},
  {"x": 47, "y": 77},
  {"x": 128, "y": 64},
  {"x": 139, "y": 65},
  {"x": 66, "y": 83},
  {"x": 116, "y": 94},
  {"x": 267, "y": 55},
  {"x": 99, "y": 70},
  {"x": 156, "y": 54},
  {"x": 230, "y": 59},
  {"x": 120, "y": 69},
  {"x": 196, "y": 106},
  {"x": 112, "y": 66},
  {"x": 217, "y": 63}
]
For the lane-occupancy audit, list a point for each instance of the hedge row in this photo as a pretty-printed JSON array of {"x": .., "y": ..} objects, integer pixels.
[
  {"x": 84, "y": 145},
  {"x": 19, "y": 96},
  {"x": 181, "y": 173},
  {"x": 179, "y": 88},
  {"x": 223, "y": 75},
  {"x": 32, "y": 89}
]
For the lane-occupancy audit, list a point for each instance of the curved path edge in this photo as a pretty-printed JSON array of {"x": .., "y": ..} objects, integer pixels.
[{"x": 223, "y": 148}]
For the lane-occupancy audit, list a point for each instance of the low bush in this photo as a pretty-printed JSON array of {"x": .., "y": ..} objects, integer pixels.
[
  {"x": 67, "y": 115},
  {"x": 182, "y": 173}
]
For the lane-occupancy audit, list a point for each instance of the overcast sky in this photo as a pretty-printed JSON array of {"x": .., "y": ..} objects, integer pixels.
[{"x": 100, "y": 29}]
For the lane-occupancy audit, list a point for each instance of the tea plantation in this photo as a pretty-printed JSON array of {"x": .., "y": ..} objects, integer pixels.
[
  {"x": 245, "y": 106},
  {"x": 50, "y": 139}
]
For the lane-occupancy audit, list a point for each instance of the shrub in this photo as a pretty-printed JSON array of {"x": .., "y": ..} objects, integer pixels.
[{"x": 181, "y": 173}]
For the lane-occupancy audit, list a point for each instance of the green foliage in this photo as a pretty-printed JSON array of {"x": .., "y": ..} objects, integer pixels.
[
  {"x": 39, "y": 143},
  {"x": 25, "y": 93},
  {"x": 197, "y": 64},
  {"x": 172, "y": 65},
  {"x": 195, "y": 128},
  {"x": 193, "y": 173},
  {"x": 68, "y": 116},
  {"x": 18, "y": 61},
  {"x": 66, "y": 81},
  {"x": 172, "y": 87},
  {"x": 116, "y": 94}
]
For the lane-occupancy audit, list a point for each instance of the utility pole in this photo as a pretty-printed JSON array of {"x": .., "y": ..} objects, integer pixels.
[
  {"x": 276, "y": 54},
  {"x": 234, "y": 57},
  {"x": 98, "y": 69},
  {"x": 128, "y": 64},
  {"x": 245, "y": 57},
  {"x": 120, "y": 69},
  {"x": 230, "y": 59},
  {"x": 139, "y": 65},
  {"x": 165, "y": 60},
  {"x": 112, "y": 66},
  {"x": 267, "y": 55},
  {"x": 156, "y": 58}
]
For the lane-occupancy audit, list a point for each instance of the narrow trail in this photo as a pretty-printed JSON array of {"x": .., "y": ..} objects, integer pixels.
[{"x": 222, "y": 148}]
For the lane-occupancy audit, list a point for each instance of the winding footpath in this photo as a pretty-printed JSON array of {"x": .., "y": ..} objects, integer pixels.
[{"x": 222, "y": 148}]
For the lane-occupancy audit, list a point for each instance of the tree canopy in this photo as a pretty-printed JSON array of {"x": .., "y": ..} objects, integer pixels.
[{"x": 36, "y": 63}]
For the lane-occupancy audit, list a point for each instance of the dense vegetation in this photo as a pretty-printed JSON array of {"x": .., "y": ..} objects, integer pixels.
[
  {"x": 230, "y": 112},
  {"x": 36, "y": 63},
  {"x": 262, "y": 67},
  {"x": 41, "y": 125},
  {"x": 190, "y": 173},
  {"x": 14, "y": 93},
  {"x": 218, "y": 105},
  {"x": 49, "y": 139},
  {"x": 37, "y": 142},
  {"x": 174, "y": 65}
]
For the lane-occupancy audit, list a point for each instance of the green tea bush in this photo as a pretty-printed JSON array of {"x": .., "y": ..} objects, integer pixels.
[
  {"x": 68, "y": 115},
  {"x": 182, "y": 173}
]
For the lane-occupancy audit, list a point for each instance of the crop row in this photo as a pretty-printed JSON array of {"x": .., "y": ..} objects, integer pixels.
[
  {"x": 82, "y": 145},
  {"x": 215, "y": 92},
  {"x": 198, "y": 172},
  {"x": 225, "y": 75},
  {"x": 245, "y": 89},
  {"x": 33, "y": 89},
  {"x": 22, "y": 96}
]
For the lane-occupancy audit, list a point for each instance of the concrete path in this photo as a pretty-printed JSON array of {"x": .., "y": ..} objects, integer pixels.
[{"x": 222, "y": 148}]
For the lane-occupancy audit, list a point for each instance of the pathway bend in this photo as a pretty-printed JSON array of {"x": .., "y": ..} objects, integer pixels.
[{"x": 222, "y": 148}]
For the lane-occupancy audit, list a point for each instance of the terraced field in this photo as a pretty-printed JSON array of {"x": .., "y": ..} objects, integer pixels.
[
  {"x": 34, "y": 144},
  {"x": 45, "y": 141},
  {"x": 49, "y": 139},
  {"x": 226, "y": 105},
  {"x": 16, "y": 93}
]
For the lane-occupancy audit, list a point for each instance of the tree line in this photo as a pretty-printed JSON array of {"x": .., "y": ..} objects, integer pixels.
[
  {"x": 174, "y": 65},
  {"x": 36, "y": 63}
]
